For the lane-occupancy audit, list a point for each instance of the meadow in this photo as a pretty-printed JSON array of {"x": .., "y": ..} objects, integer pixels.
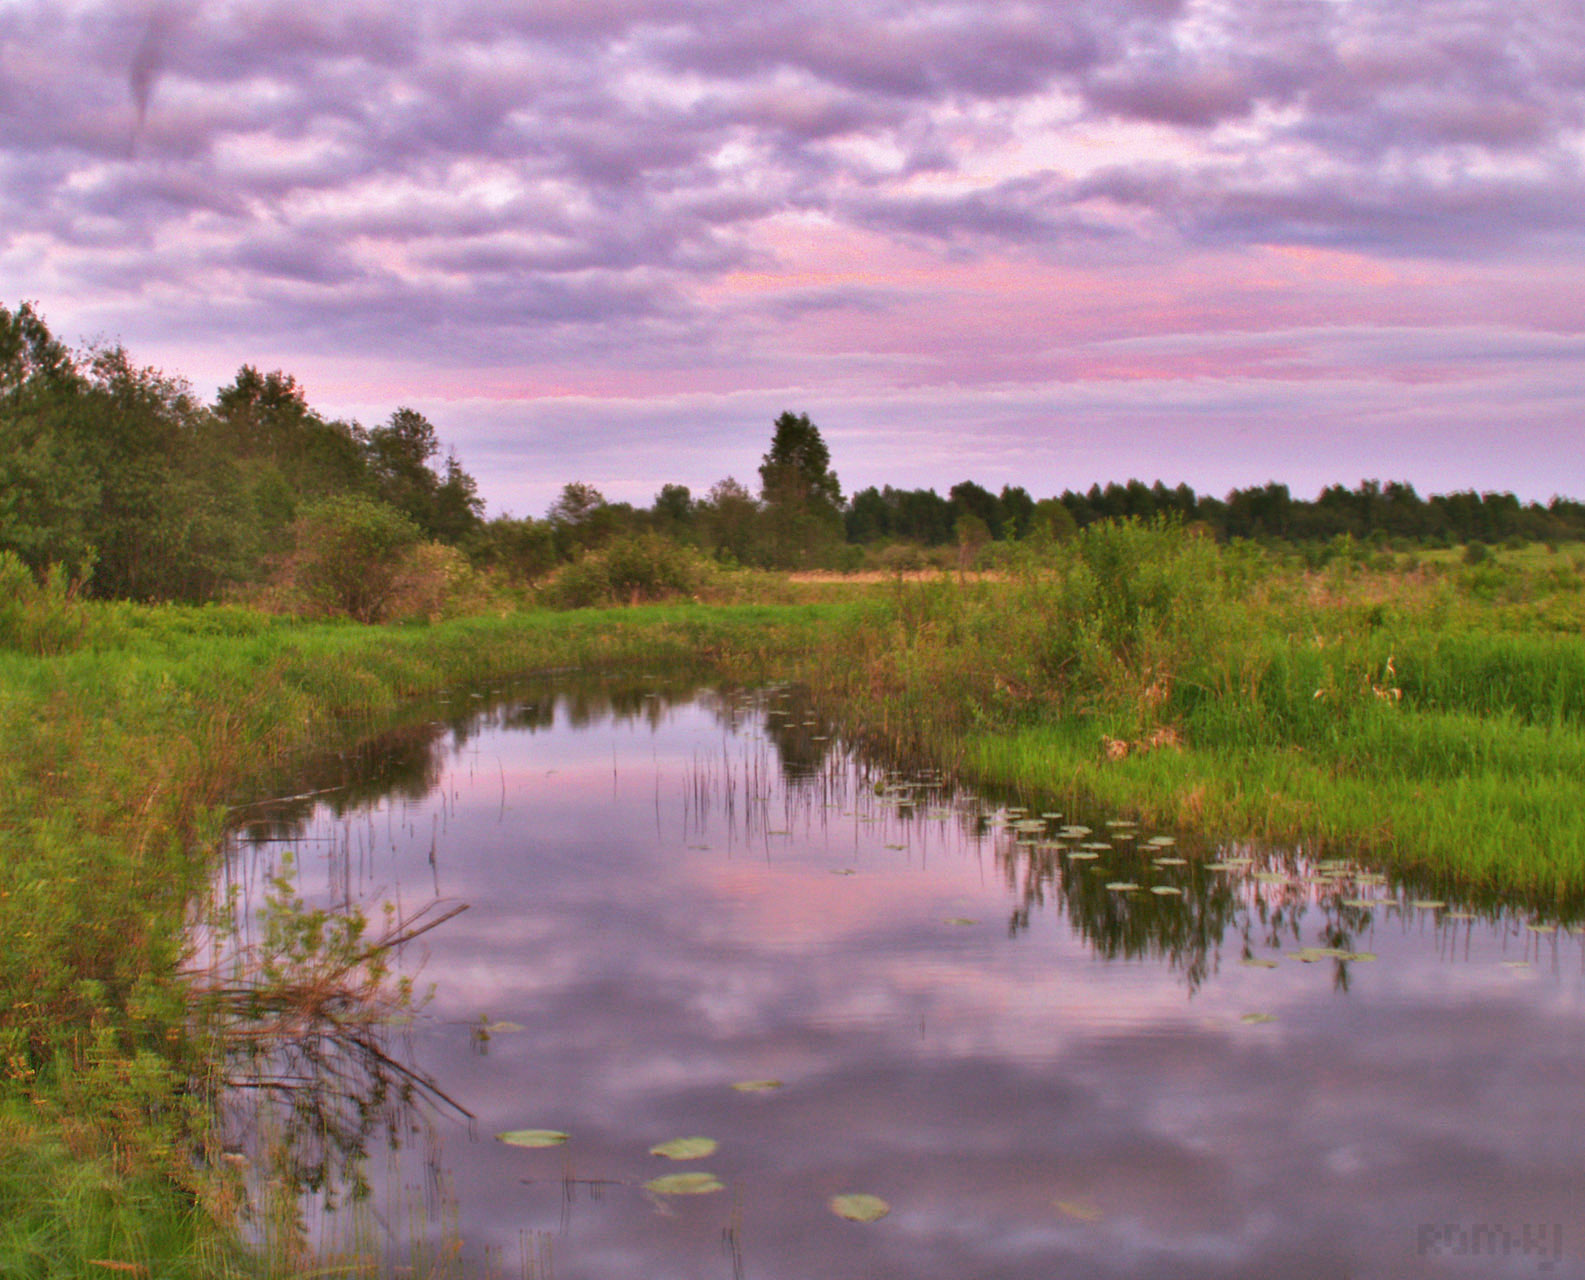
[{"x": 1417, "y": 711}]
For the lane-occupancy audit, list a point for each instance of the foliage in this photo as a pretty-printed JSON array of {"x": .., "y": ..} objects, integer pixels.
[
  {"x": 40, "y": 615},
  {"x": 348, "y": 557},
  {"x": 797, "y": 469},
  {"x": 630, "y": 570}
]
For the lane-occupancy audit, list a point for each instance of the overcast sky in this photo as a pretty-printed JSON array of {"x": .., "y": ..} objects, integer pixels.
[{"x": 1041, "y": 243}]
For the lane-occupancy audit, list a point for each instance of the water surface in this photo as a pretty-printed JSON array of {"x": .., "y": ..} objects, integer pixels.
[{"x": 672, "y": 890}]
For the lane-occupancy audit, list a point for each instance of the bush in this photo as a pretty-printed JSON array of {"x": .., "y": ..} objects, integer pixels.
[
  {"x": 435, "y": 582},
  {"x": 347, "y": 560},
  {"x": 629, "y": 570},
  {"x": 36, "y": 616}
]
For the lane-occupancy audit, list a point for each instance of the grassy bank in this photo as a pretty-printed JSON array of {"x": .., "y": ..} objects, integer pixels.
[
  {"x": 1430, "y": 715},
  {"x": 121, "y": 742}
]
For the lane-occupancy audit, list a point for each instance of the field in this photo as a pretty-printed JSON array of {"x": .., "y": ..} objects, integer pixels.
[{"x": 1422, "y": 713}]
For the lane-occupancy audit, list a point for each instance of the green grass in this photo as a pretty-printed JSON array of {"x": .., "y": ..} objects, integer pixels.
[{"x": 1430, "y": 719}]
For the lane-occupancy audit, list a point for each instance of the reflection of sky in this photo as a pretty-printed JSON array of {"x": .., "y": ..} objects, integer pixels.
[{"x": 663, "y": 916}]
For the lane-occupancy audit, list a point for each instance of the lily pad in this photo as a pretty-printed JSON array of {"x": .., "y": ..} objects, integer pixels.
[
  {"x": 1171, "y": 862},
  {"x": 532, "y": 1137},
  {"x": 859, "y": 1207},
  {"x": 1366, "y": 904},
  {"x": 685, "y": 1184},
  {"x": 500, "y": 1028},
  {"x": 1254, "y": 962},
  {"x": 1252, "y": 1019},
  {"x": 1082, "y": 855},
  {"x": 959, "y": 920},
  {"x": 1166, "y": 890},
  {"x": 685, "y": 1148},
  {"x": 757, "y": 1086},
  {"x": 1364, "y": 956},
  {"x": 1122, "y": 886},
  {"x": 843, "y": 871},
  {"x": 1160, "y": 842},
  {"x": 1428, "y": 904}
]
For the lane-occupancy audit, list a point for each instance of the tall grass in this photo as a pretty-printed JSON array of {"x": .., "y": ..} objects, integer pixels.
[{"x": 1434, "y": 717}]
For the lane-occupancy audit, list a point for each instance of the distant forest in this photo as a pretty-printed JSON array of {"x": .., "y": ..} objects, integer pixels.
[{"x": 117, "y": 476}]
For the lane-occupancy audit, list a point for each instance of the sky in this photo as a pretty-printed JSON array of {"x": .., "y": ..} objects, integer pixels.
[{"x": 1047, "y": 243}]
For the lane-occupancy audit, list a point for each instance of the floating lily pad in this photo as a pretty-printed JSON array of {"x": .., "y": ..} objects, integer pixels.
[
  {"x": 1365, "y": 956},
  {"x": 1271, "y": 877},
  {"x": 859, "y": 1207},
  {"x": 1160, "y": 842},
  {"x": 1428, "y": 904},
  {"x": 685, "y": 1148},
  {"x": 1251, "y": 1019},
  {"x": 757, "y": 1086},
  {"x": 685, "y": 1184},
  {"x": 1083, "y": 855},
  {"x": 1366, "y": 904},
  {"x": 959, "y": 920},
  {"x": 1166, "y": 891},
  {"x": 1171, "y": 862},
  {"x": 1224, "y": 866},
  {"x": 1459, "y": 915},
  {"x": 843, "y": 871},
  {"x": 1122, "y": 886},
  {"x": 532, "y": 1137},
  {"x": 1515, "y": 964},
  {"x": 502, "y": 1028},
  {"x": 1541, "y": 928}
]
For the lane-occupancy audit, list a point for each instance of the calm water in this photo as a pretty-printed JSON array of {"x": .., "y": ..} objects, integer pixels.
[{"x": 671, "y": 890}]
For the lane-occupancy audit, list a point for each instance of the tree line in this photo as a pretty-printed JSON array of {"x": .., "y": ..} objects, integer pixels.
[{"x": 121, "y": 476}]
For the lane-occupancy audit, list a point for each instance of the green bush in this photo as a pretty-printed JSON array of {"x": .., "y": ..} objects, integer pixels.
[
  {"x": 629, "y": 570},
  {"x": 39, "y": 617},
  {"x": 347, "y": 558}
]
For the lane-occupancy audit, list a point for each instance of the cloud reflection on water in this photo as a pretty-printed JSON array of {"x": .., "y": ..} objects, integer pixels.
[{"x": 977, "y": 1076}]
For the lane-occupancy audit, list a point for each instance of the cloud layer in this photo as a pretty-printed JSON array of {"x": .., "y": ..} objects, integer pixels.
[{"x": 826, "y": 206}]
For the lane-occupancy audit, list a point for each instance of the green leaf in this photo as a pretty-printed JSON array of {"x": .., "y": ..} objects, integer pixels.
[
  {"x": 1253, "y": 1019},
  {"x": 532, "y": 1137},
  {"x": 685, "y": 1148},
  {"x": 859, "y": 1207},
  {"x": 685, "y": 1184},
  {"x": 757, "y": 1086}
]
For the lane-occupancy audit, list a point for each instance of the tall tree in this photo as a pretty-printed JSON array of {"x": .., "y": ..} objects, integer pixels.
[{"x": 797, "y": 470}]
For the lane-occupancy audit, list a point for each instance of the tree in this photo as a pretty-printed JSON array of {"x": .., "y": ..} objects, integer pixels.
[
  {"x": 797, "y": 470},
  {"x": 673, "y": 510},
  {"x": 728, "y": 518}
]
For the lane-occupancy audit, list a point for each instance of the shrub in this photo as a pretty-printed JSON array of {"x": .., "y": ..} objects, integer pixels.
[
  {"x": 628, "y": 570},
  {"x": 433, "y": 582},
  {"x": 36, "y": 616},
  {"x": 347, "y": 558}
]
